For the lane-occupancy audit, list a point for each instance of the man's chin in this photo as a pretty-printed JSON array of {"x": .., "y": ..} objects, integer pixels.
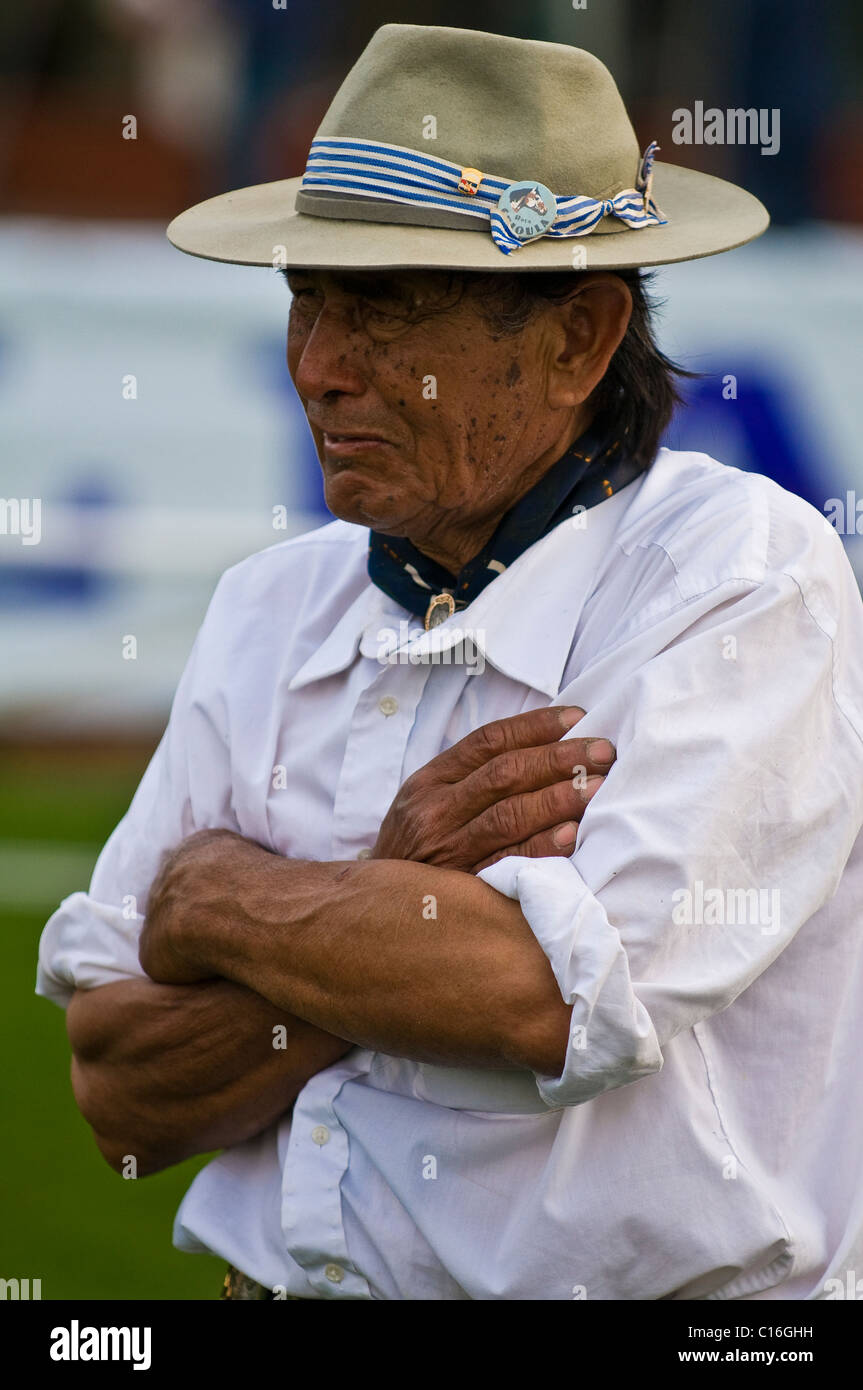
[{"x": 352, "y": 499}]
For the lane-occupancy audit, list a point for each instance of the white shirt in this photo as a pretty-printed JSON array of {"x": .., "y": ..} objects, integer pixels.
[{"x": 705, "y": 1138}]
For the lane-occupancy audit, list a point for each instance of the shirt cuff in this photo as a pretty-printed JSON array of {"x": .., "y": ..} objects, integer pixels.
[
  {"x": 612, "y": 1040},
  {"x": 86, "y": 944}
]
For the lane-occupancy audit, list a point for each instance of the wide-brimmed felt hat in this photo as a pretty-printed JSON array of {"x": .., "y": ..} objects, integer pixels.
[{"x": 452, "y": 148}]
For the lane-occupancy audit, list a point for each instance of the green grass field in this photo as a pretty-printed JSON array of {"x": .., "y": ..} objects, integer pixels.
[{"x": 65, "y": 1217}]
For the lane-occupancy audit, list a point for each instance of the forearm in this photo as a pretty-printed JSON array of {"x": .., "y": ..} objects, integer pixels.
[
  {"x": 163, "y": 1072},
  {"x": 417, "y": 961}
]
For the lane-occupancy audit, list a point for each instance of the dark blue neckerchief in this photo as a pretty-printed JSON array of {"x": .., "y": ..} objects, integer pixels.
[{"x": 595, "y": 467}]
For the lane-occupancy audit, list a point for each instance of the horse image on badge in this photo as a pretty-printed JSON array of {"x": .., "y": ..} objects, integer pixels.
[{"x": 528, "y": 209}]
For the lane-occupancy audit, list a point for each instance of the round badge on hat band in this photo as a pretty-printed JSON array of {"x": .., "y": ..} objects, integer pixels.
[{"x": 528, "y": 208}]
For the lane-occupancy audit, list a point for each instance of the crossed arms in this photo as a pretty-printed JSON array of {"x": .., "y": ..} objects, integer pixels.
[{"x": 239, "y": 941}]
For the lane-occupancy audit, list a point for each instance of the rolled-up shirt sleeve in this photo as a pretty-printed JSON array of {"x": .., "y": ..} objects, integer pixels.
[
  {"x": 92, "y": 938},
  {"x": 723, "y": 826}
]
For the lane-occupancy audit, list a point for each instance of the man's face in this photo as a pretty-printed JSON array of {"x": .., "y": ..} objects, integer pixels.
[{"x": 425, "y": 423}]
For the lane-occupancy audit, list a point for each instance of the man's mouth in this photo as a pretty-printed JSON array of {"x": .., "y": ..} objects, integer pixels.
[{"x": 342, "y": 445}]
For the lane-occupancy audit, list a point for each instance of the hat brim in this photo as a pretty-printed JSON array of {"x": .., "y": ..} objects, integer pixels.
[{"x": 259, "y": 226}]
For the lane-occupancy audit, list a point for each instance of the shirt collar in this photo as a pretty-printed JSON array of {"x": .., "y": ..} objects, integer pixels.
[{"x": 523, "y": 623}]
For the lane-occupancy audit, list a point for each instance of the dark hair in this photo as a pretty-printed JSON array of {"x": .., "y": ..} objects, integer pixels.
[{"x": 639, "y": 391}]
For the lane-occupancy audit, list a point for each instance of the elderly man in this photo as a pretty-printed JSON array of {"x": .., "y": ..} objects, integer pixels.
[{"x": 492, "y": 899}]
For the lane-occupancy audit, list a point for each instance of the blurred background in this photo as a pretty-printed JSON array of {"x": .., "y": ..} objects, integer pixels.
[{"x": 144, "y": 400}]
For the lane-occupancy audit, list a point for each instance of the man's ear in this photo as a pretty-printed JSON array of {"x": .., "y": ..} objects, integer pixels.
[{"x": 586, "y": 331}]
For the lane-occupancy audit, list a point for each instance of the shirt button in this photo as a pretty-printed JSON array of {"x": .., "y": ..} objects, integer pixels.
[
  {"x": 334, "y": 1273},
  {"x": 388, "y": 704},
  {"x": 320, "y": 1134},
  {"x": 364, "y": 853}
]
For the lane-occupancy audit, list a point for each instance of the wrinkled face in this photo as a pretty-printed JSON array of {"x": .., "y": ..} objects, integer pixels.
[{"x": 426, "y": 424}]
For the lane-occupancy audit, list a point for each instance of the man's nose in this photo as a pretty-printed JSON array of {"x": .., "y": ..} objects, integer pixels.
[{"x": 328, "y": 358}]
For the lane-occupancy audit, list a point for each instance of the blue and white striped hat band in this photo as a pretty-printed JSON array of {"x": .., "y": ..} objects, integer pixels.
[{"x": 344, "y": 176}]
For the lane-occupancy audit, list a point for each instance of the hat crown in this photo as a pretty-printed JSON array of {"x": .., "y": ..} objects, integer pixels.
[{"x": 516, "y": 108}]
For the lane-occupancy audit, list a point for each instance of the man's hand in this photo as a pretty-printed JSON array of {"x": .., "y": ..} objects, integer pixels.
[
  {"x": 162, "y": 1072},
  {"x": 510, "y": 787},
  {"x": 177, "y": 898}
]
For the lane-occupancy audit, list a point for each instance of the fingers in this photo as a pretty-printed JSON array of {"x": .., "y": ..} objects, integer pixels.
[
  {"x": 528, "y": 730},
  {"x": 531, "y": 820},
  {"x": 558, "y": 842},
  {"x": 531, "y": 769},
  {"x": 512, "y": 786}
]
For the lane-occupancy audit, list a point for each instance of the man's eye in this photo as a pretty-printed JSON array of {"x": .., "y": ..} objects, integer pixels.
[
  {"x": 305, "y": 300},
  {"x": 383, "y": 317}
]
